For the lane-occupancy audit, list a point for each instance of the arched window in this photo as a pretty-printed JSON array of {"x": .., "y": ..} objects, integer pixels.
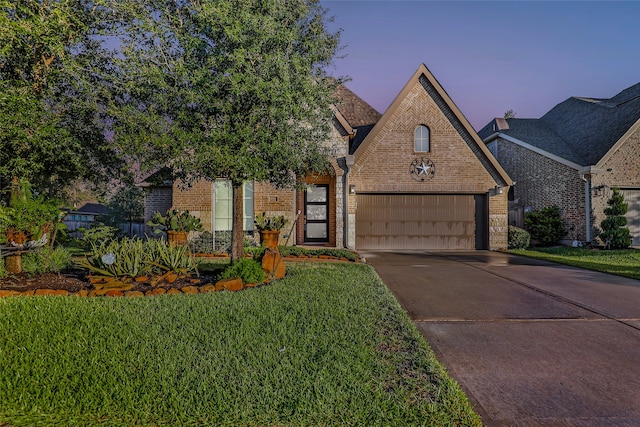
[{"x": 421, "y": 138}]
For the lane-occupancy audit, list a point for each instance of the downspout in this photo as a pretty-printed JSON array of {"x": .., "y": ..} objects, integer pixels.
[
  {"x": 587, "y": 204},
  {"x": 346, "y": 166}
]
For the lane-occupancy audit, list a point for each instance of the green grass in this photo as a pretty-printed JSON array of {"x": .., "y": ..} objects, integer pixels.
[
  {"x": 620, "y": 262},
  {"x": 327, "y": 345}
]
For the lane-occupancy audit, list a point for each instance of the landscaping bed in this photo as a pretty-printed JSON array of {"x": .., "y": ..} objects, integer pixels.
[{"x": 78, "y": 283}]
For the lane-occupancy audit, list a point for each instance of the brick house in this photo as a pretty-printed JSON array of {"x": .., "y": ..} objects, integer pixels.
[
  {"x": 416, "y": 177},
  {"x": 572, "y": 157}
]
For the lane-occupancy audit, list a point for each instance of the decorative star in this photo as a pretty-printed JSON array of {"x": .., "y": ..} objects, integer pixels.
[{"x": 423, "y": 169}]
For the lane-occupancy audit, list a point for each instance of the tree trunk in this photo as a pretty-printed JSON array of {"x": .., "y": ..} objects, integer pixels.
[{"x": 237, "y": 234}]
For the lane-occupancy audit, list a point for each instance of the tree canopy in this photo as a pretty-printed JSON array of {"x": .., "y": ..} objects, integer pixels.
[
  {"x": 50, "y": 131},
  {"x": 232, "y": 89}
]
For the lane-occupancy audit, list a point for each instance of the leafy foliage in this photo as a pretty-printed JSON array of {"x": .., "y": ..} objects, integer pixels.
[
  {"x": 269, "y": 223},
  {"x": 615, "y": 233},
  {"x": 228, "y": 89},
  {"x": 50, "y": 130},
  {"x": 46, "y": 260},
  {"x": 246, "y": 268},
  {"x": 26, "y": 214},
  {"x": 175, "y": 220},
  {"x": 545, "y": 225},
  {"x": 133, "y": 257},
  {"x": 518, "y": 238},
  {"x": 98, "y": 234}
]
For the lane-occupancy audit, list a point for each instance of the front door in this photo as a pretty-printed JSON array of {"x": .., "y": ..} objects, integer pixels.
[{"x": 316, "y": 214}]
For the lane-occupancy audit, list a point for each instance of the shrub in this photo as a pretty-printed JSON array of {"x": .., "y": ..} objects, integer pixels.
[
  {"x": 3, "y": 270},
  {"x": 98, "y": 234},
  {"x": 134, "y": 257},
  {"x": 248, "y": 269},
  {"x": 518, "y": 238},
  {"x": 615, "y": 233},
  {"x": 545, "y": 225},
  {"x": 46, "y": 260}
]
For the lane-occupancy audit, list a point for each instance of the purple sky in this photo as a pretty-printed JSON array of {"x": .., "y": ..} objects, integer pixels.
[{"x": 490, "y": 56}]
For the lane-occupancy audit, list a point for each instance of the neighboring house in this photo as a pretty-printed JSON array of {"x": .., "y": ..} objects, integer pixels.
[
  {"x": 416, "y": 177},
  {"x": 84, "y": 217},
  {"x": 572, "y": 157}
]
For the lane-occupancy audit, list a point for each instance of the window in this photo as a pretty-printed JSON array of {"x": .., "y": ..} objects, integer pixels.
[
  {"x": 421, "y": 138},
  {"x": 224, "y": 206}
]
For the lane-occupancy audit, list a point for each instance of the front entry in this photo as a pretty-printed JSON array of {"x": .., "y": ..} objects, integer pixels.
[{"x": 316, "y": 214}]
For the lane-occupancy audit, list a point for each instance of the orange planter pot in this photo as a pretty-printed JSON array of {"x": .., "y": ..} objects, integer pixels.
[
  {"x": 177, "y": 238},
  {"x": 269, "y": 239}
]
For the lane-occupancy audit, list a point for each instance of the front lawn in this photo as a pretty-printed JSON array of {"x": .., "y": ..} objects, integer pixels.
[
  {"x": 327, "y": 345},
  {"x": 621, "y": 262}
]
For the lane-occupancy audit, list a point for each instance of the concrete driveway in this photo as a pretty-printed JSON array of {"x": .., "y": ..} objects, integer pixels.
[{"x": 532, "y": 343}]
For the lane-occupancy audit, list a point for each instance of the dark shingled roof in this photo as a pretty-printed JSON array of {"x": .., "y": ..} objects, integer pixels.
[
  {"x": 581, "y": 130},
  {"x": 360, "y": 115},
  {"x": 93, "y": 208}
]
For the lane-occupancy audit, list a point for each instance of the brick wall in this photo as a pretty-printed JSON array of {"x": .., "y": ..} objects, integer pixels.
[
  {"x": 197, "y": 200},
  {"x": 542, "y": 182},
  {"x": 385, "y": 163},
  {"x": 156, "y": 199},
  {"x": 622, "y": 170}
]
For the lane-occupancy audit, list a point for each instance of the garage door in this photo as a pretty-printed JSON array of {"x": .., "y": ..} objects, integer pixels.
[
  {"x": 632, "y": 198},
  {"x": 416, "y": 221}
]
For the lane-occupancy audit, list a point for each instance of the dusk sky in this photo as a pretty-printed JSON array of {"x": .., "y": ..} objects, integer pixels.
[{"x": 490, "y": 56}]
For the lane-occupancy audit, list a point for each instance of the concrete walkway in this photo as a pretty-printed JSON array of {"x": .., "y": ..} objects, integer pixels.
[{"x": 532, "y": 343}]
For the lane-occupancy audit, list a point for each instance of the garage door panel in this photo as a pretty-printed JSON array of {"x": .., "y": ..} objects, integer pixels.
[
  {"x": 415, "y": 221},
  {"x": 632, "y": 198}
]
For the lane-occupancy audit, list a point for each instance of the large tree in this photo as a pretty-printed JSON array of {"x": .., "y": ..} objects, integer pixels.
[
  {"x": 51, "y": 131},
  {"x": 232, "y": 89}
]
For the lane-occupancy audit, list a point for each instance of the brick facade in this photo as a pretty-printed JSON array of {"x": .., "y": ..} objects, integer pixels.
[
  {"x": 384, "y": 164},
  {"x": 542, "y": 182},
  {"x": 381, "y": 164},
  {"x": 621, "y": 169}
]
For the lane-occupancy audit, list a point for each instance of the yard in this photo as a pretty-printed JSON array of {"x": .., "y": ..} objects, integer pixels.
[
  {"x": 620, "y": 262},
  {"x": 327, "y": 345}
]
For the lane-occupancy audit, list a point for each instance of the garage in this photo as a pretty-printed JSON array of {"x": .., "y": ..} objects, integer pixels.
[
  {"x": 632, "y": 198},
  {"x": 421, "y": 221}
]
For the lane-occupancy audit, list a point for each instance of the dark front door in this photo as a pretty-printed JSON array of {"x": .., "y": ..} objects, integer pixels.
[{"x": 316, "y": 214}]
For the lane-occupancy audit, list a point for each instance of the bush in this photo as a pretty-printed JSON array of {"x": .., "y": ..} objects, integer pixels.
[
  {"x": 133, "y": 257},
  {"x": 545, "y": 225},
  {"x": 3, "y": 271},
  {"x": 518, "y": 238},
  {"x": 248, "y": 269},
  {"x": 615, "y": 232},
  {"x": 46, "y": 260}
]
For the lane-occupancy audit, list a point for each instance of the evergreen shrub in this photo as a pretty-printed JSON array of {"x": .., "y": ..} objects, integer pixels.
[{"x": 518, "y": 238}]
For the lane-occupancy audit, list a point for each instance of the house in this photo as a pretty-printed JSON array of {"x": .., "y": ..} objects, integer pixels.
[
  {"x": 84, "y": 217},
  {"x": 416, "y": 177},
  {"x": 572, "y": 157}
]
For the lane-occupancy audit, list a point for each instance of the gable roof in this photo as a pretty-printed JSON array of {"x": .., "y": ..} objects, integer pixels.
[
  {"x": 580, "y": 130},
  {"x": 357, "y": 114},
  {"x": 453, "y": 114}
]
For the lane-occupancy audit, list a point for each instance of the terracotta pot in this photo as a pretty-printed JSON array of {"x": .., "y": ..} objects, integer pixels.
[
  {"x": 17, "y": 237},
  {"x": 177, "y": 238},
  {"x": 269, "y": 239}
]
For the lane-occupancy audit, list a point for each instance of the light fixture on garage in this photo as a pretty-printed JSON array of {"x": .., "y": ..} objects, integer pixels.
[
  {"x": 495, "y": 190},
  {"x": 352, "y": 189}
]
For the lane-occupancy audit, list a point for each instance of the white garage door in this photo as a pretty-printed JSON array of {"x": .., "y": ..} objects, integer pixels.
[
  {"x": 415, "y": 221},
  {"x": 632, "y": 198}
]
